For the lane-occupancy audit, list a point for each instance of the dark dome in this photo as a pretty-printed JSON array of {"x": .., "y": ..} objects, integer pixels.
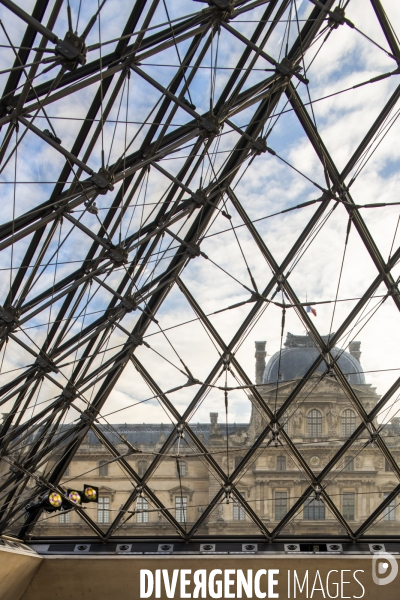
[{"x": 298, "y": 356}]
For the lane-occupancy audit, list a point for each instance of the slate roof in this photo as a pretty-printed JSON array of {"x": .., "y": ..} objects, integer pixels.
[{"x": 298, "y": 356}]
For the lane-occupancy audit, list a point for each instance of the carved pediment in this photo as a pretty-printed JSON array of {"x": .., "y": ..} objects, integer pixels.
[
  {"x": 281, "y": 483},
  {"x": 244, "y": 489},
  {"x": 388, "y": 486},
  {"x": 106, "y": 491},
  {"x": 180, "y": 491},
  {"x": 328, "y": 385}
]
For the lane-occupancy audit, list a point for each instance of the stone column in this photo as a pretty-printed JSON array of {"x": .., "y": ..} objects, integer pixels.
[
  {"x": 257, "y": 506},
  {"x": 262, "y": 498},
  {"x": 267, "y": 503},
  {"x": 355, "y": 351},
  {"x": 260, "y": 361}
]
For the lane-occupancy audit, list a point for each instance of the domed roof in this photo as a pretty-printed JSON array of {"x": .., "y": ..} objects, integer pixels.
[{"x": 300, "y": 353}]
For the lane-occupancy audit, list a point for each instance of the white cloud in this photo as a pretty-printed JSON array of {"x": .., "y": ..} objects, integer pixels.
[{"x": 266, "y": 186}]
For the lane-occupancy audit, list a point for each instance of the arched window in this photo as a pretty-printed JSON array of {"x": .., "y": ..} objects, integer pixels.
[
  {"x": 314, "y": 422},
  {"x": 281, "y": 463},
  {"x": 349, "y": 504},
  {"x": 389, "y": 514},
  {"x": 348, "y": 463},
  {"x": 348, "y": 422},
  {"x": 64, "y": 517},
  {"x": 103, "y": 468},
  {"x": 281, "y": 505},
  {"x": 238, "y": 511},
  {"x": 142, "y": 467},
  {"x": 314, "y": 510},
  {"x": 103, "y": 509},
  {"x": 238, "y": 460},
  {"x": 182, "y": 468},
  {"x": 181, "y": 509},
  {"x": 142, "y": 506},
  {"x": 388, "y": 466},
  {"x": 285, "y": 423}
]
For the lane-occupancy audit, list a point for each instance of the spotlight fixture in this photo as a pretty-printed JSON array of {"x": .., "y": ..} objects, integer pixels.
[
  {"x": 90, "y": 493},
  {"x": 74, "y": 496},
  {"x": 54, "y": 501},
  {"x": 50, "y": 502}
]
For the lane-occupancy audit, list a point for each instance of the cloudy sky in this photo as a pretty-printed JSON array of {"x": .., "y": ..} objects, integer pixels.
[{"x": 338, "y": 60}]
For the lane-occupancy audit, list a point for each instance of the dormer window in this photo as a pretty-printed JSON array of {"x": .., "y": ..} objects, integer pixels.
[
  {"x": 103, "y": 468},
  {"x": 281, "y": 463},
  {"x": 348, "y": 463},
  {"x": 142, "y": 467},
  {"x": 348, "y": 422},
  {"x": 314, "y": 423}
]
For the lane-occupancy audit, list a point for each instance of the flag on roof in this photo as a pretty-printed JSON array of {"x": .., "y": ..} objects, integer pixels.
[{"x": 311, "y": 310}]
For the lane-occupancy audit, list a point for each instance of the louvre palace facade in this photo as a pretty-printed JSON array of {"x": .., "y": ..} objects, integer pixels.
[{"x": 320, "y": 420}]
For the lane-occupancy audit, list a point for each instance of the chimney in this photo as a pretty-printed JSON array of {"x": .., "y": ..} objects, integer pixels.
[
  {"x": 355, "y": 351},
  {"x": 260, "y": 361}
]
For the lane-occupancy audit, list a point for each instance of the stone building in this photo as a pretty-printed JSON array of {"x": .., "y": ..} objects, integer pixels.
[{"x": 318, "y": 422}]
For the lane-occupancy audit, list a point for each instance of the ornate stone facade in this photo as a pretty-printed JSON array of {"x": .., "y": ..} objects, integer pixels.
[{"x": 319, "y": 421}]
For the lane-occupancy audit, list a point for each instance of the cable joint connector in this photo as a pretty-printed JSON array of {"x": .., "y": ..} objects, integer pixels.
[
  {"x": 118, "y": 254},
  {"x": 137, "y": 340},
  {"x": 191, "y": 381},
  {"x": 318, "y": 493},
  {"x": 373, "y": 438},
  {"x": 189, "y": 104},
  {"x": 72, "y": 51},
  {"x": 103, "y": 180},
  {"x": 226, "y": 359},
  {"x": 228, "y": 492},
  {"x": 46, "y": 365},
  {"x": 288, "y": 69},
  {"x": 337, "y": 17},
  {"x": 223, "y": 9},
  {"x": 128, "y": 304},
  {"x": 89, "y": 415},
  {"x": 330, "y": 370},
  {"x": 199, "y": 197},
  {"x": 259, "y": 146},
  {"x": 281, "y": 280},
  {"x": 209, "y": 125},
  {"x": 275, "y": 434},
  {"x": 9, "y": 315},
  {"x": 180, "y": 431},
  {"x": 68, "y": 393},
  {"x": 194, "y": 250},
  {"x": 91, "y": 207},
  {"x": 51, "y": 135}
]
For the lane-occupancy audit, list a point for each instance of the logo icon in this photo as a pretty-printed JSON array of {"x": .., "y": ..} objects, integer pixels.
[{"x": 384, "y": 564}]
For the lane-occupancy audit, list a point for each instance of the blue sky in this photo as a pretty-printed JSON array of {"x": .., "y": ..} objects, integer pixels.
[{"x": 264, "y": 186}]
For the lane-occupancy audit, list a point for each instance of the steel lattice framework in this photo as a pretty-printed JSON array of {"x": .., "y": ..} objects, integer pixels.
[{"x": 121, "y": 284}]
